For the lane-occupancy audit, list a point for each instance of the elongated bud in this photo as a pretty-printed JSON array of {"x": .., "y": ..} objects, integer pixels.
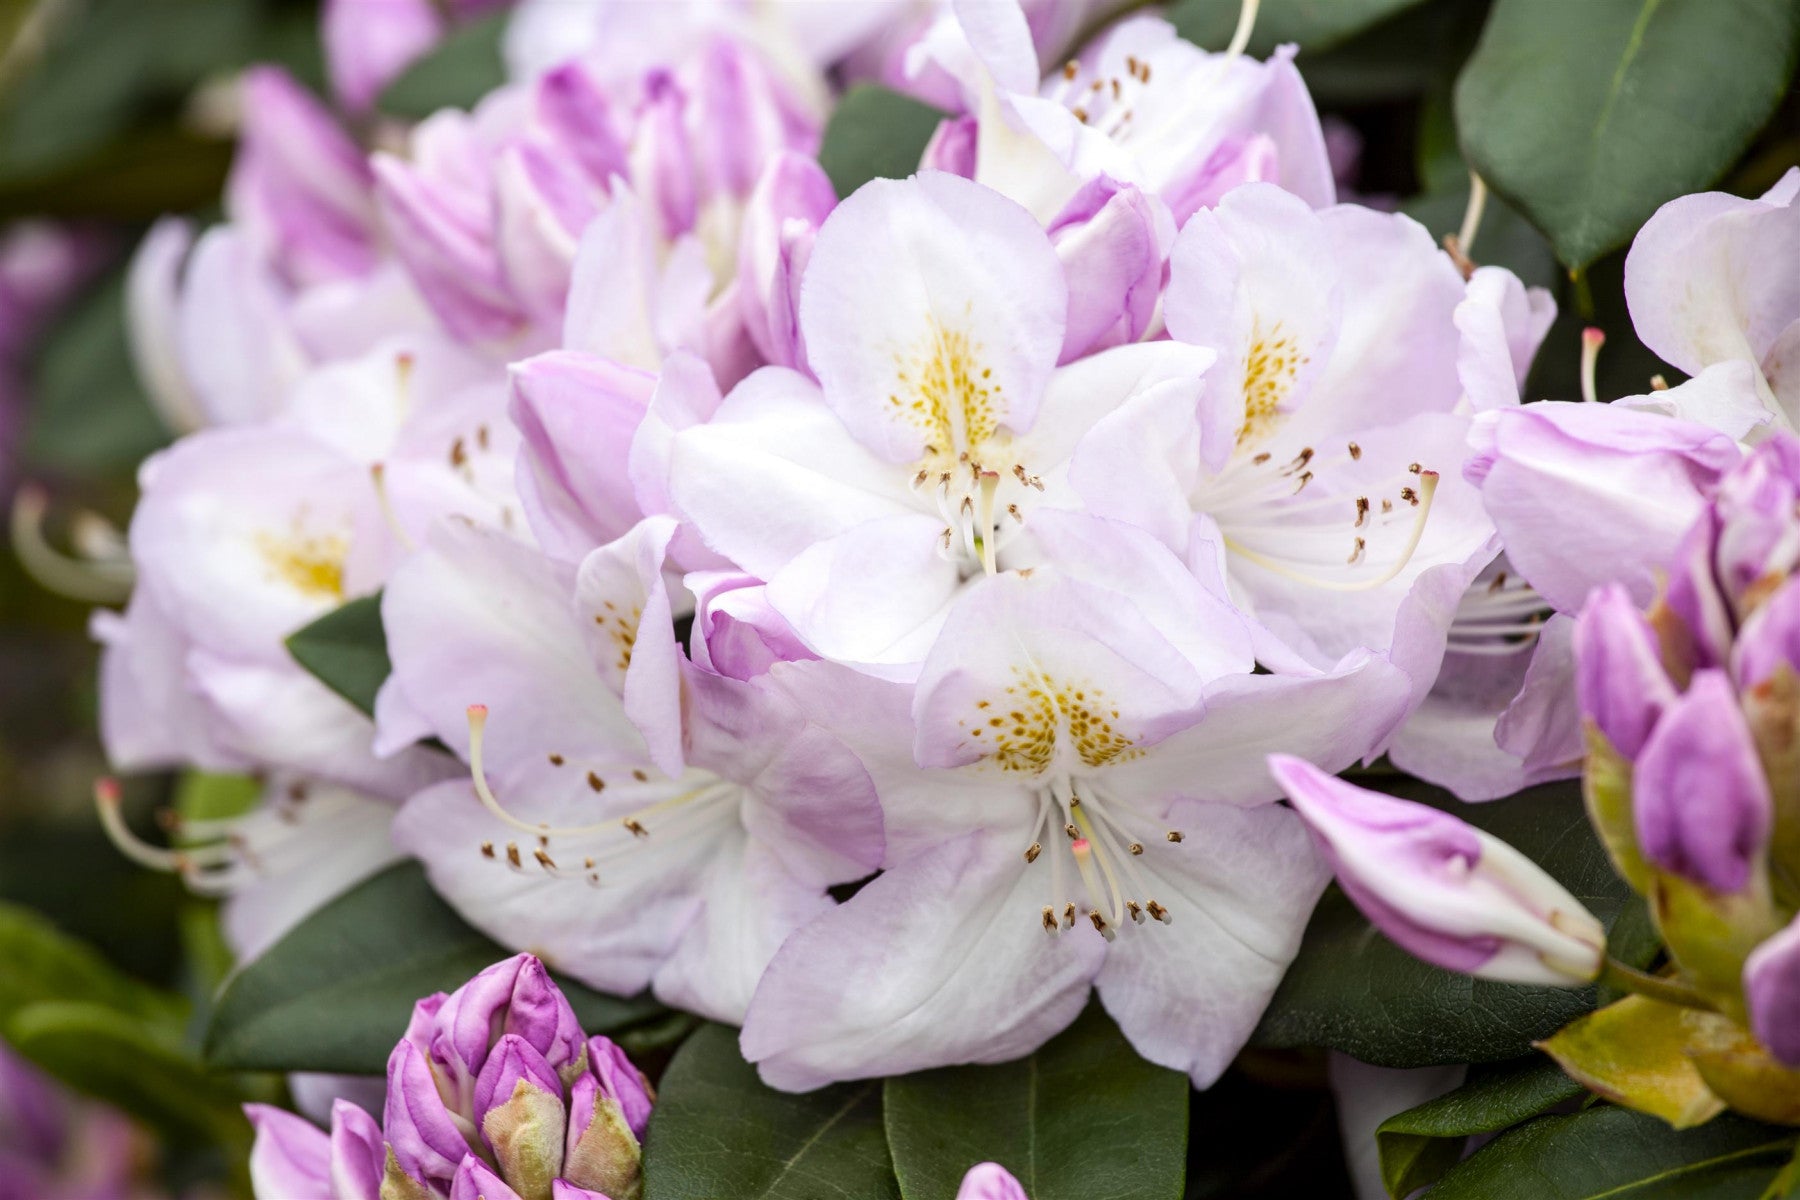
[
  {"x": 1444, "y": 890},
  {"x": 1701, "y": 802},
  {"x": 1619, "y": 675},
  {"x": 1772, "y": 992}
]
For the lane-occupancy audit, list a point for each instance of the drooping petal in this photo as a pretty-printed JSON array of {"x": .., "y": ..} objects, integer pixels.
[
  {"x": 290, "y": 1156},
  {"x": 882, "y": 984},
  {"x": 1239, "y": 891}
]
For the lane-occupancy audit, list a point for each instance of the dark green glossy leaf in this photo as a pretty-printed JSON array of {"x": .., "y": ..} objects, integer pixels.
[
  {"x": 144, "y": 174},
  {"x": 463, "y": 68},
  {"x": 1353, "y": 990},
  {"x": 1314, "y": 24},
  {"x": 45, "y": 965},
  {"x": 121, "y": 1059},
  {"x": 1417, "y": 1146},
  {"x": 335, "y": 993},
  {"x": 875, "y": 134},
  {"x": 347, "y": 650},
  {"x": 89, "y": 414},
  {"x": 1125, "y": 1139},
  {"x": 719, "y": 1134},
  {"x": 1617, "y": 1154},
  {"x": 1589, "y": 116}
]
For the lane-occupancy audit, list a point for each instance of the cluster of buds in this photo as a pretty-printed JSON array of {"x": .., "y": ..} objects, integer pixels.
[
  {"x": 1692, "y": 715},
  {"x": 494, "y": 1092}
]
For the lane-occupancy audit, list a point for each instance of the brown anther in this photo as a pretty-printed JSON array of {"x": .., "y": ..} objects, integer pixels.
[
  {"x": 1362, "y": 511},
  {"x": 1074, "y": 801},
  {"x": 1410, "y": 496},
  {"x": 1459, "y": 258},
  {"x": 544, "y": 860},
  {"x": 1098, "y": 920},
  {"x": 637, "y": 830},
  {"x": 1355, "y": 452},
  {"x": 1356, "y": 555},
  {"x": 1174, "y": 835},
  {"x": 641, "y": 775},
  {"x": 1071, "y": 830},
  {"x": 1049, "y": 920},
  {"x": 1415, "y": 468},
  {"x": 1387, "y": 506},
  {"x": 1136, "y": 847},
  {"x": 1012, "y": 510},
  {"x": 512, "y": 854},
  {"x": 481, "y": 436},
  {"x": 459, "y": 454},
  {"x": 1305, "y": 478},
  {"x": 1081, "y": 114},
  {"x": 1158, "y": 911},
  {"x": 1260, "y": 459},
  {"x": 1136, "y": 910},
  {"x": 1069, "y": 915},
  {"x": 920, "y": 478},
  {"x": 1498, "y": 583},
  {"x": 1071, "y": 69},
  {"x": 1658, "y": 384},
  {"x": 487, "y": 849},
  {"x": 595, "y": 782},
  {"x": 1032, "y": 852}
]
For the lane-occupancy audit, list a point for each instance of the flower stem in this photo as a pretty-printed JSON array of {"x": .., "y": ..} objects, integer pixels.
[{"x": 1616, "y": 974}]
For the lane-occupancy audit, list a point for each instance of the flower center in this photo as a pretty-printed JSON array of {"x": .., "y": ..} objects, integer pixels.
[
  {"x": 310, "y": 563},
  {"x": 1103, "y": 837}
]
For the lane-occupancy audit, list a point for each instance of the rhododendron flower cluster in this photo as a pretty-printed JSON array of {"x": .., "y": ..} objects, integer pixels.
[
  {"x": 1011, "y": 512},
  {"x": 867, "y": 619}
]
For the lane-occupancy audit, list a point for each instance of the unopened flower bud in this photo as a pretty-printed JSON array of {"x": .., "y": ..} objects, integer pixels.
[
  {"x": 791, "y": 201},
  {"x": 1701, "y": 802},
  {"x": 1619, "y": 675},
  {"x": 1770, "y": 639},
  {"x": 737, "y": 632},
  {"x": 1445, "y": 891},
  {"x": 1772, "y": 992},
  {"x": 990, "y": 1181},
  {"x": 1113, "y": 241}
]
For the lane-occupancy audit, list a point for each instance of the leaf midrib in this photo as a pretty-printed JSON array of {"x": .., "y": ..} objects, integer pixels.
[
  {"x": 1626, "y": 1189},
  {"x": 793, "y": 1160}
]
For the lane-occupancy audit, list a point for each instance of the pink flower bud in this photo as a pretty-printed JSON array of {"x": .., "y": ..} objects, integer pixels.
[
  {"x": 1772, "y": 992},
  {"x": 790, "y": 202},
  {"x": 1700, "y": 799},
  {"x": 1444, "y": 890},
  {"x": 1618, "y": 670},
  {"x": 1113, "y": 241}
]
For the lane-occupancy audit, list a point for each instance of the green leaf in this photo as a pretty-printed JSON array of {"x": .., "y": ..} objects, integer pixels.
[
  {"x": 1417, "y": 1146},
  {"x": 1314, "y": 24},
  {"x": 1353, "y": 990},
  {"x": 347, "y": 650},
  {"x": 334, "y": 994},
  {"x": 89, "y": 415},
  {"x": 43, "y": 964},
  {"x": 463, "y": 68},
  {"x": 1589, "y": 116},
  {"x": 1126, "y": 1138},
  {"x": 718, "y": 1133},
  {"x": 1621, "y": 1155},
  {"x": 875, "y": 134},
  {"x": 123, "y": 1060}
]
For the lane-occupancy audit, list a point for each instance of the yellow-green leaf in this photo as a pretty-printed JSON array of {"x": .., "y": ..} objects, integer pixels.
[{"x": 1635, "y": 1053}]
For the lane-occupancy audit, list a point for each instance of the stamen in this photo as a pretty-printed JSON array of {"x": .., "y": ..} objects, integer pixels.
[
  {"x": 378, "y": 475},
  {"x": 91, "y": 580},
  {"x": 1591, "y": 341},
  {"x": 1240, "y": 37},
  {"x": 1471, "y": 222},
  {"x": 1032, "y": 852},
  {"x": 1420, "y": 499}
]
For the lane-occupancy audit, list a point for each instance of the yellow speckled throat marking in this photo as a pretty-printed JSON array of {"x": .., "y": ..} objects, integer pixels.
[
  {"x": 946, "y": 391},
  {"x": 1024, "y": 738},
  {"x": 1270, "y": 369},
  {"x": 312, "y": 564}
]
